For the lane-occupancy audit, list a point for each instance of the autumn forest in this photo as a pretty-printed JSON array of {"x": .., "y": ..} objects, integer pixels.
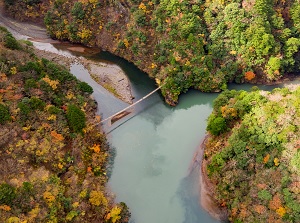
[{"x": 252, "y": 154}]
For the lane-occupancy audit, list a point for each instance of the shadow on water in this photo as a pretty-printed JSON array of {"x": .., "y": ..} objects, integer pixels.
[
  {"x": 140, "y": 82},
  {"x": 188, "y": 191},
  {"x": 153, "y": 146},
  {"x": 153, "y": 140},
  {"x": 145, "y": 109}
]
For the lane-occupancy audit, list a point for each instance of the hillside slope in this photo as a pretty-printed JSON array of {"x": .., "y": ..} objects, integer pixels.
[
  {"x": 185, "y": 44},
  {"x": 253, "y": 154},
  {"x": 54, "y": 164}
]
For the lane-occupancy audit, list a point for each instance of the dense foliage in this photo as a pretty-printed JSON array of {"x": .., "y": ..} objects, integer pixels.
[
  {"x": 4, "y": 114},
  {"x": 76, "y": 118},
  {"x": 255, "y": 162},
  {"x": 49, "y": 172},
  {"x": 201, "y": 44}
]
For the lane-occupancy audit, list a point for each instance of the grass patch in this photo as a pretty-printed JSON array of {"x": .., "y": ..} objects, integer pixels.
[{"x": 111, "y": 89}]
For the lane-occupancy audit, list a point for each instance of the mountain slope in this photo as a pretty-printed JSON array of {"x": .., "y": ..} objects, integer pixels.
[
  {"x": 54, "y": 163},
  {"x": 253, "y": 154},
  {"x": 185, "y": 44}
]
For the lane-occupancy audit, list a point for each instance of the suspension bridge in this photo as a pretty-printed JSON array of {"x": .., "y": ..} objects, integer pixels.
[{"x": 127, "y": 108}]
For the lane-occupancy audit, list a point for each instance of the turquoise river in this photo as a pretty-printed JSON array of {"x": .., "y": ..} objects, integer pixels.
[{"x": 155, "y": 145}]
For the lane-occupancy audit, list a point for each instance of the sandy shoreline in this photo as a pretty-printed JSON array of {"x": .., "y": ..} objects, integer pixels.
[
  {"x": 206, "y": 188},
  {"x": 111, "y": 77},
  {"x": 108, "y": 76}
]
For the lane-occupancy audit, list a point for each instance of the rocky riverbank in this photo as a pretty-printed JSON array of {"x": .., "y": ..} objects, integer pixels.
[{"x": 111, "y": 77}]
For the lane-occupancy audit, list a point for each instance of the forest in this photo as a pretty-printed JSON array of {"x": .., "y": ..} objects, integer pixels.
[
  {"x": 54, "y": 163},
  {"x": 253, "y": 154},
  {"x": 200, "y": 44}
]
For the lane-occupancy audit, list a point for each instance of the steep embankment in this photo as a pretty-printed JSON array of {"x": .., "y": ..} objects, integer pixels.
[
  {"x": 253, "y": 154},
  {"x": 53, "y": 162},
  {"x": 185, "y": 44}
]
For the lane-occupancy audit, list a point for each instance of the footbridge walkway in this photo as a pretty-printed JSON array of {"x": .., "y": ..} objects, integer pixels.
[{"x": 130, "y": 106}]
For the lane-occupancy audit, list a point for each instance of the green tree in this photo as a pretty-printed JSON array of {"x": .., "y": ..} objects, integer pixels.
[
  {"x": 76, "y": 118},
  {"x": 77, "y": 11},
  {"x": 291, "y": 47},
  {"x": 4, "y": 114},
  {"x": 7, "y": 194},
  {"x": 264, "y": 195},
  {"x": 83, "y": 86},
  {"x": 273, "y": 67},
  {"x": 216, "y": 125},
  {"x": 10, "y": 42},
  {"x": 295, "y": 14}
]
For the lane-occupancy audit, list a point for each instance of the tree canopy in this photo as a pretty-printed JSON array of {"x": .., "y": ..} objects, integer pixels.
[
  {"x": 185, "y": 44},
  {"x": 254, "y": 161}
]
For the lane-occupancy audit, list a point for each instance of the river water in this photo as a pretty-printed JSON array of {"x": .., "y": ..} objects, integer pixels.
[{"x": 155, "y": 146}]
